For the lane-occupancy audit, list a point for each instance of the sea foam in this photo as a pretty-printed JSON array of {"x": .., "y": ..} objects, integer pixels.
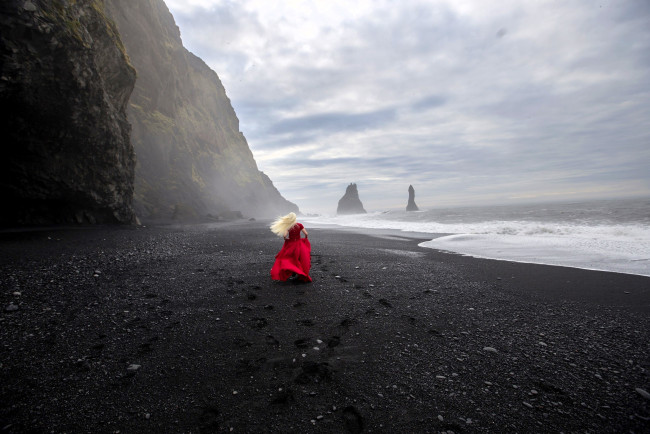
[{"x": 559, "y": 238}]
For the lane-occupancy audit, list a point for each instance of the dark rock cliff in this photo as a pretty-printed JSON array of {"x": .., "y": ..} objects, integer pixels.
[
  {"x": 411, "y": 206},
  {"x": 350, "y": 202},
  {"x": 191, "y": 157},
  {"x": 65, "y": 81}
]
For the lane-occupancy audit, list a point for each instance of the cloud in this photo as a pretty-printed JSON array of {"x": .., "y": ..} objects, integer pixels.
[
  {"x": 334, "y": 122},
  {"x": 467, "y": 101},
  {"x": 429, "y": 102}
]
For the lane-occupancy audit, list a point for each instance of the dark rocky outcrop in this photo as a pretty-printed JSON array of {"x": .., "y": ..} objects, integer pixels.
[
  {"x": 350, "y": 202},
  {"x": 411, "y": 206},
  {"x": 65, "y": 81},
  {"x": 191, "y": 157}
]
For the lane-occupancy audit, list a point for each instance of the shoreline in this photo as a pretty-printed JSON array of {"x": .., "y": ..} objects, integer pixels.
[
  {"x": 430, "y": 236},
  {"x": 594, "y": 286},
  {"x": 179, "y": 329}
]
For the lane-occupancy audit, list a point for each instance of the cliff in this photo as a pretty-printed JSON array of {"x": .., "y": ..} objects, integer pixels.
[
  {"x": 411, "y": 206},
  {"x": 65, "y": 81},
  {"x": 350, "y": 202},
  {"x": 191, "y": 157}
]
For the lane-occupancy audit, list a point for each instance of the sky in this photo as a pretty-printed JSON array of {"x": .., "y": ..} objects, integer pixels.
[{"x": 470, "y": 101}]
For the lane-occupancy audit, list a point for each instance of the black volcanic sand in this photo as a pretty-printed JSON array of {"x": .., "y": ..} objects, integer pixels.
[{"x": 180, "y": 329}]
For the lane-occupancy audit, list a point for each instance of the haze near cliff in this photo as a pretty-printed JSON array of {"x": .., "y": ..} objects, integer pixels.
[{"x": 192, "y": 158}]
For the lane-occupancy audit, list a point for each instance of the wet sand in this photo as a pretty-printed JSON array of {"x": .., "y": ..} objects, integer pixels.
[{"x": 180, "y": 329}]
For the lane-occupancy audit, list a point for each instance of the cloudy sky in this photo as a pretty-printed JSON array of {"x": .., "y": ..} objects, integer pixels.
[{"x": 470, "y": 101}]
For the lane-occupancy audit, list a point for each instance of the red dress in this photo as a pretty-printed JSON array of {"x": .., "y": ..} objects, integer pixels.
[{"x": 294, "y": 257}]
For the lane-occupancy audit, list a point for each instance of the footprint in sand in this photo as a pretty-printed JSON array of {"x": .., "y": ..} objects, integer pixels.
[
  {"x": 209, "y": 419},
  {"x": 302, "y": 343},
  {"x": 352, "y": 420},
  {"x": 313, "y": 372},
  {"x": 347, "y": 322},
  {"x": 334, "y": 341},
  {"x": 284, "y": 395},
  {"x": 410, "y": 319}
]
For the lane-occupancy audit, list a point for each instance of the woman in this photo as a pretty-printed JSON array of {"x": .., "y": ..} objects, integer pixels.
[{"x": 294, "y": 259}]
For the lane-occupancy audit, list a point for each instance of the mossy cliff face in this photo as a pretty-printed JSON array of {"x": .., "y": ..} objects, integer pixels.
[
  {"x": 65, "y": 81},
  {"x": 192, "y": 160}
]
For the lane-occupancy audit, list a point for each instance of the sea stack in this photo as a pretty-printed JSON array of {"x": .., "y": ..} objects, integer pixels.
[
  {"x": 350, "y": 202},
  {"x": 411, "y": 206}
]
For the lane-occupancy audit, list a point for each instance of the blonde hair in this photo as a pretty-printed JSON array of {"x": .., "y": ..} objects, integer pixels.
[{"x": 281, "y": 225}]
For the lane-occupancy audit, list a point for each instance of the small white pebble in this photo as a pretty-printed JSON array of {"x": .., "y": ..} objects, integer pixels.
[{"x": 642, "y": 392}]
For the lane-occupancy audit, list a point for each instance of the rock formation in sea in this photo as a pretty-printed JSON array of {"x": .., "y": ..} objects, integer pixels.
[
  {"x": 350, "y": 202},
  {"x": 192, "y": 160},
  {"x": 411, "y": 206},
  {"x": 65, "y": 81}
]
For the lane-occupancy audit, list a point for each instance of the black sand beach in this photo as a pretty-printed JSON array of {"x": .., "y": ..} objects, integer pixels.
[{"x": 180, "y": 329}]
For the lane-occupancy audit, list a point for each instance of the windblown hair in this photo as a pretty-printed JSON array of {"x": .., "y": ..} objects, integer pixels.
[{"x": 281, "y": 225}]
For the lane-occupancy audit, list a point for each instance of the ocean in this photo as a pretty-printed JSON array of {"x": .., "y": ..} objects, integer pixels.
[{"x": 606, "y": 235}]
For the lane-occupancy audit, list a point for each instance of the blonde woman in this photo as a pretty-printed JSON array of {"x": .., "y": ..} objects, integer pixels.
[{"x": 293, "y": 261}]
